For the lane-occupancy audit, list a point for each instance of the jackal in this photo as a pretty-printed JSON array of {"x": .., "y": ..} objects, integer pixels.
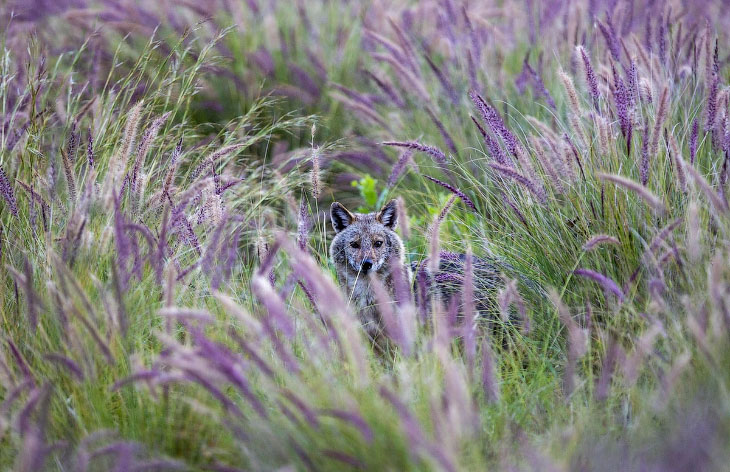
[{"x": 366, "y": 245}]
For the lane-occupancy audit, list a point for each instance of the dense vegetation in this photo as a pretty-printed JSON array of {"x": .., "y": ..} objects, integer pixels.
[{"x": 165, "y": 174}]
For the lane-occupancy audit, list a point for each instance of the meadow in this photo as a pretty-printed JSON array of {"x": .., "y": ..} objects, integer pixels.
[{"x": 166, "y": 173}]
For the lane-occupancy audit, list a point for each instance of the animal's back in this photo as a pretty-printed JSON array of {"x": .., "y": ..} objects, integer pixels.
[{"x": 448, "y": 281}]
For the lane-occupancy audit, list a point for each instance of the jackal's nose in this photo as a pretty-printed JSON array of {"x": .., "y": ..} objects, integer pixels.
[{"x": 366, "y": 265}]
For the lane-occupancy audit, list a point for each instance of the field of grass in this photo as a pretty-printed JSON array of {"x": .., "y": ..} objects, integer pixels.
[{"x": 166, "y": 172}]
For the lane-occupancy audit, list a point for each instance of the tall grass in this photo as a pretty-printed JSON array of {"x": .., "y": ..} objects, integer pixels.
[{"x": 167, "y": 304}]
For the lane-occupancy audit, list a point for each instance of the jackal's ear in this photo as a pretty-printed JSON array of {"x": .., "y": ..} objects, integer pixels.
[
  {"x": 388, "y": 215},
  {"x": 340, "y": 216}
]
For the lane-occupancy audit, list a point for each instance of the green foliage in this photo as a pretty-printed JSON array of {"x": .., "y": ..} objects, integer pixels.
[{"x": 368, "y": 191}]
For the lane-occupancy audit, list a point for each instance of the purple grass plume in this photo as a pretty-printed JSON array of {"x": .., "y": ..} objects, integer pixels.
[
  {"x": 90, "y": 149},
  {"x": 590, "y": 77},
  {"x": 399, "y": 168},
  {"x": 6, "y": 190},
  {"x": 434, "y": 152},
  {"x": 652, "y": 200},
  {"x": 494, "y": 121},
  {"x": 693, "y": 141},
  {"x": 606, "y": 282},
  {"x": 534, "y": 187},
  {"x": 598, "y": 240},
  {"x": 467, "y": 201}
]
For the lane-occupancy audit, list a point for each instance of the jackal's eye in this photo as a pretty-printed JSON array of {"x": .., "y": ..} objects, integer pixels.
[
  {"x": 355, "y": 245},
  {"x": 378, "y": 243}
]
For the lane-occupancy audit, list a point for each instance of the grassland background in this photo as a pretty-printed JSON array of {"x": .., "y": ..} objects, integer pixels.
[{"x": 166, "y": 298}]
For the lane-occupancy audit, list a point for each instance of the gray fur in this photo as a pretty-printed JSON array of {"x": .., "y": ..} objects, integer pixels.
[
  {"x": 365, "y": 230},
  {"x": 446, "y": 283}
]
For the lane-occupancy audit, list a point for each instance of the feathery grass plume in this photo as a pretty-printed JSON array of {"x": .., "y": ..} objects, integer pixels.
[
  {"x": 403, "y": 296},
  {"x": 277, "y": 321},
  {"x": 564, "y": 157},
  {"x": 407, "y": 77},
  {"x": 604, "y": 134},
  {"x": 315, "y": 172},
  {"x": 119, "y": 159},
  {"x": 469, "y": 309},
  {"x": 515, "y": 209},
  {"x": 442, "y": 130},
  {"x": 212, "y": 159},
  {"x": 694, "y": 248},
  {"x": 508, "y": 296},
  {"x": 495, "y": 123},
  {"x": 711, "y": 103},
  {"x": 645, "y": 194},
  {"x": 66, "y": 363},
  {"x": 609, "y": 34},
  {"x": 537, "y": 83},
  {"x": 530, "y": 185},
  {"x": 399, "y": 167},
  {"x": 709, "y": 57},
  {"x": 547, "y": 165},
  {"x": 391, "y": 320},
  {"x": 170, "y": 175},
  {"x": 434, "y": 152},
  {"x": 33, "y": 301},
  {"x": 633, "y": 83},
  {"x": 644, "y": 166},
  {"x": 490, "y": 382},
  {"x": 574, "y": 113},
  {"x": 693, "y": 141},
  {"x": 663, "y": 234},
  {"x": 493, "y": 147},
  {"x": 590, "y": 76},
  {"x": 645, "y": 91},
  {"x": 206, "y": 262},
  {"x": 599, "y": 239},
  {"x": 304, "y": 224},
  {"x": 606, "y": 282},
  {"x": 433, "y": 236},
  {"x": 367, "y": 111},
  {"x": 70, "y": 180},
  {"x": 73, "y": 141},
  {"x": 577, "y": 342},
  {"x": 409, "y": 52},
  {"x": 547, "y": 134},
  {"x": 443, "y": 80},
  {"x": 342, "y": 326},
  {"x": 149, "y": 135},
  {"x": 414, "y": 430},
  {"x": 662, "y": 41},
  {"x": 187, "y": 314},
  {"x": 614, "y": 357},
  {"x": 678, "y": 163},
  {"x": 265, "y": 255},
  {"x": 403, "y": 223},
  {"x": 6, "y": 190},
  {"x": 467, "y": 201},
  {"x": 622, "y": 105},
  {"x": 661, "y": 115},
  {"x": 570, "y": 91},
  {"x": 90, "y": 149},
  {"x": 387, "y": 88},
  {"x": 718, "y": 203},
  {"x": 353, "y": 418},
  {"x": 185, "y": 229}
]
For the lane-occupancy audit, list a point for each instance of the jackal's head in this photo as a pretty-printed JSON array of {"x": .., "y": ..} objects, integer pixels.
[{"x": 365, "y": 242}]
